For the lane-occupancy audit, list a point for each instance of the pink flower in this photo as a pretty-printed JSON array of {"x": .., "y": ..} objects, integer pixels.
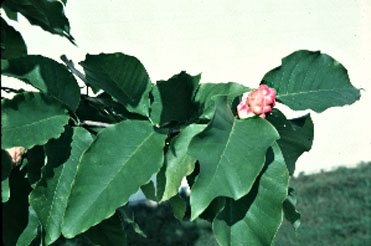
[{"x": 258, "y": 102}]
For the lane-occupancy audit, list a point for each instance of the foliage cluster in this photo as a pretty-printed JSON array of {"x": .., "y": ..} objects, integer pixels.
[{"x": 87, "y": 154}]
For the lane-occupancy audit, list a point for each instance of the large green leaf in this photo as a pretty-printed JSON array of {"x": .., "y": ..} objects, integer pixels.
[
  {"x": 50, "y": 197},
  {"x": 121, "y": 159},
  {"x": 123, "y": 77},
  {"x": 12, "y": 43},
  {"x": 177, "y": 161},
  {"x": 312, "y": 80},
  {"x": 207, "y": 93},
  {"x": 231, "y": 153},
  {"x": 47, "y": 75},
  {"x": 31, "y": 230},
  {"x": 296, "y": 136},
  {"x": 109, "y": 232},
  {"x": 5, "y": 191},
  {"x": 31, "y": 119},
  {"x": 254, "y": 219},
  {"x": 48, "y": 14},
  {"x": 6, "y": 165},
  {"x": 15, "y": 211},
  {"x": 173, "y": 99},
  {"x": 289, "y": 209}
]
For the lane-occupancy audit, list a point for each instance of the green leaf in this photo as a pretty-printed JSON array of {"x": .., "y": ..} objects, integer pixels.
[
  {"x": 48, "y": 14},
  {"x": 296, "y": 136},
  {"x": 312, "y": 80},
  {"x": 207, "y": 93},
  {"x": 173, "y": 99},
  {"x": 231, "y": 153},
  {"x": 6, "y": 165},
  {"x": 15, "y": 211},
  {"x": 109, "y": 232},
  {"x": 121, "y": 159},
  {"x": 47, "y": 75},
  {"x": 12, "y": 43},
  {"x": 50, "y": 197},
  {"x": 179, "y": 207},
  {"x": 178, "y": 162},
  {"x": 149, "y": 191},
  {"x": 36, "y": 160},
  {"x": 254, "y": 219},
  {"x": 290, "y": 211},
  {"x": 31, "y": 119},
  {"x": 5, "y": 191},
  {"x": 123, "y": 77},
  {"x": 31, "y": 230}
]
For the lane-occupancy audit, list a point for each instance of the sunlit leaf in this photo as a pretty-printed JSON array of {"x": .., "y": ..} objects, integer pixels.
[
  {"x": 121, "y": 159},
  {"x": 31, "y": 119},
  {"x": 312, "y": 80},
  {"x": 231, "y": 153},
  {"x": 50, "y": 197}
]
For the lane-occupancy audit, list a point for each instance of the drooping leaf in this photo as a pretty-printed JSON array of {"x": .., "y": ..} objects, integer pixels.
[
  {"x": 178, "y": 162},
  {"x": 179, "y": 207},
  {"x": 31, "y": 119},
  {"x": 12, "y": 43},
  {"x": 231, "y": 153},
  {"x": 207, "y": 93},
  {"x": 6, "y": 165},
  {"x": 50, "y": 197},
  {"x": 47, "y": 75},
  {"x": 36, "y": 160},
  {"x": 108, "y": 233},
  {"x": 31, "y": 230},
  {"x": 48, "y": 14},
  {"x": 173, "y": 99},
  {"x": 296, "y": 136},
  {"x": 289, "y": 209},
  {"x": 15, "y": 211},
  {"x": 254, "y": 219},
  {"x": 312, "y": 80},
  {"x": 123, "y": 77},
  {"x": 121, "y": 159}
]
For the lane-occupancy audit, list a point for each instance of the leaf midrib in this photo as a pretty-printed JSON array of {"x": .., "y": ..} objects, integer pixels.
[
  {"x": 288, "y": 94},
  {"x": 128, "y": 159},
  {"x": 33, "y": 123}
]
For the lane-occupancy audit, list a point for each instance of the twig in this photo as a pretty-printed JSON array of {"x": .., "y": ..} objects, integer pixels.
[
  {"x": 94, "y": 123},
  {"x": 71, "y": 66}
]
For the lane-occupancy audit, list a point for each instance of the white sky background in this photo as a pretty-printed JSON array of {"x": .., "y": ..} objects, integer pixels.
[{"x": 235, "y": 41}]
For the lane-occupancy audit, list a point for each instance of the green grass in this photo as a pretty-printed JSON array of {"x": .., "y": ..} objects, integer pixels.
[{"x": 335, "y": 208}]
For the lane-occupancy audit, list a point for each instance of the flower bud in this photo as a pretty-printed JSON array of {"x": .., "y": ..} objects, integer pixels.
[
  {"x": 16, "y": 154},
  {"x": 258, "y": 102}
]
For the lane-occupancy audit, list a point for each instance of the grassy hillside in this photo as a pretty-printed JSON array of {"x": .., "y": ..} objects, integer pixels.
[{"x": 336, "y": 210}]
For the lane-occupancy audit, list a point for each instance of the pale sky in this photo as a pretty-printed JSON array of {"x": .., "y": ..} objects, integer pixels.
[{"x": 235, "y": 41}]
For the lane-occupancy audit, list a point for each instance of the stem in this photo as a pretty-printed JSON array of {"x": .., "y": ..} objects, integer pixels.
[
  {"x": 94, "y": 123},
  {"x": 74, "y": 70}
]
